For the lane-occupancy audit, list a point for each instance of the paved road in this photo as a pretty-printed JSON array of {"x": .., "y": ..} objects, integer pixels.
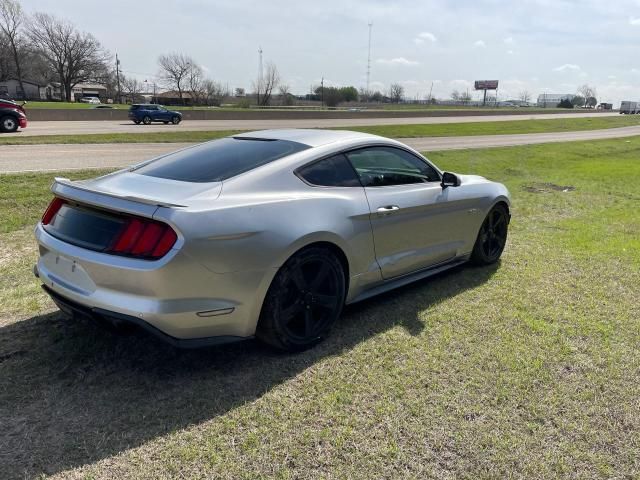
[
  {"x": 20, "y": 158},
  {"x": 80, "y": 128}
]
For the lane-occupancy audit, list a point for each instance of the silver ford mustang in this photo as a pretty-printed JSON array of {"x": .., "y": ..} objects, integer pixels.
[{"x": 264, "y": 234}]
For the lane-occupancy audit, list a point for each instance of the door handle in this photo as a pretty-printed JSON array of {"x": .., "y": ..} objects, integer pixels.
[{"x": 387, "y": 210}]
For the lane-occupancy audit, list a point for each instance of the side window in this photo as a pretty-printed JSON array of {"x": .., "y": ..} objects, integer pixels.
[
  {"x": 334, "y": 171},
  {"x": 384, "y": 166},
  {"x": 151, "y": 107}
]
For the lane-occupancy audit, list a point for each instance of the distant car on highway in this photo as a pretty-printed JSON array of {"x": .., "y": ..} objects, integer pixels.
[
  {"x": 147, "y": 113},
  {"x": 101, "y": 106},
  {"x": 12, "y": 116}
]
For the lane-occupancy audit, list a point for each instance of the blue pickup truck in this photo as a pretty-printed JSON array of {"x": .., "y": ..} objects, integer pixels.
[{"x": 147, "y": 113}]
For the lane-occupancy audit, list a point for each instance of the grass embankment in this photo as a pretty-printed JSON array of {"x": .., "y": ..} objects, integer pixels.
[
  {"x": 395, "y": 131},
  {"x": 524, "y": 370}
]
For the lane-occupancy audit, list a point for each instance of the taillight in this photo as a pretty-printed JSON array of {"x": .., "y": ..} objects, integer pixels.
[
  {"x": 144, "y": 238},
  {"x": 51, "y": 210}
]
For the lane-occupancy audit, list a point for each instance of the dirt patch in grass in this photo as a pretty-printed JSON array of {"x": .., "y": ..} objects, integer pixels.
[{"x": 547, "y": 187}]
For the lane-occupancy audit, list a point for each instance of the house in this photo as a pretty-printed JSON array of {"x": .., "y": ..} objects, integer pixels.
[
  {"x": 551, "y": 100},
  {"x": 10, "y": 89},
  {"x": 172, "y": 97},
  {"x": 54, "y": 91}
]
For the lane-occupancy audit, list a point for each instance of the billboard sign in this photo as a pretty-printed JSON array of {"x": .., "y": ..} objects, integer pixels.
[{"x": 486, "y": 84}]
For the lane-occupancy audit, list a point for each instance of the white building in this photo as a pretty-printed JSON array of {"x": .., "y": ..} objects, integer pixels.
[{"x": 551, "y": 100}]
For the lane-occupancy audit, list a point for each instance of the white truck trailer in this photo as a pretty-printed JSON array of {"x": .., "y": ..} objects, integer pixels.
[{"x": 630, "y": 107}]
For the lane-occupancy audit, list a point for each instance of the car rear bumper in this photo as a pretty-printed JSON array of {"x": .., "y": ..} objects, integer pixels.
[
  {"x": 175, "y": 296},
  {"x": 118, "y": 320}
]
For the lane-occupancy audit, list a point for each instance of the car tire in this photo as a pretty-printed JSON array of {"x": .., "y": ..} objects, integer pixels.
[
  {"x": 8, "y": 124},
  {"x": 146, "y": 120},
  {"x": 175, "y": 120},
  {"x": 137, "y": 122},
  {"x": 166, "y": 123},
  {"x": 492, "y": 236},
  {"x": 304, "y": 300}
]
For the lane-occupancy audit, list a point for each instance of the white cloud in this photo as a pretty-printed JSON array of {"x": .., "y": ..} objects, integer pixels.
[
  {"x": 611, "y": 77},
  {"x": 634, "y": 21},
  {"x": 509, "y": 52},
  {"x": 427, "y": 36},
  {"x": 635, "y": 70},
  {"x": 567, "y": 66},
  {"x": 509, "y": 40},
  {"x": 397, "y": 61},
  {"x": 479, "y": 44}
]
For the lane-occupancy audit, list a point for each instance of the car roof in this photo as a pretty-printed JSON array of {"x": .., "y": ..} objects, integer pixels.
[{"x": 311, "y": 137}]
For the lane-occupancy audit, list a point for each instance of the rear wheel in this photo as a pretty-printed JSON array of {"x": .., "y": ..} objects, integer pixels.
[
  {"x": 175, "y": 119},
  {"x": 137, "y": 122},
  {"x": 8, "y": 124},
  {"x": 492, "y": 236},
  {"x": 304, "y": 300},
  {"x": 146, "y": 120}
]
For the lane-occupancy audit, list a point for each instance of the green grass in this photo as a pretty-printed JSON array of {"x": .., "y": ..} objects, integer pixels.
[
  {"x": 528, "y": 369},
  {"x": 396, "y": 131},
  {"x": 499, "y": 128}
]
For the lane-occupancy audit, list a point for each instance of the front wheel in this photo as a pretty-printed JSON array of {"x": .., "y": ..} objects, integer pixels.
[
  {"x": 146, "y": 120},
  {"x": 304, "y": 300},
  {"x": 8, "y": 124},
  {"x": 175, "y": 120},
  {"x": 492, "y": 236}
]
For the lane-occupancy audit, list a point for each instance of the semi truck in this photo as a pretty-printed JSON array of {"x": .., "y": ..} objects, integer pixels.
[{"x": 629, "y": 107}]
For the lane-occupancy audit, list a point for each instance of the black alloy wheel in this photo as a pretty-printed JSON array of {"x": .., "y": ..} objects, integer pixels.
[
  {"x": 305, "y": 299},
  {"x": 175, "y": 120},
  {"x": 492, "y": 237},
  {"x": 146, "y": 120}
]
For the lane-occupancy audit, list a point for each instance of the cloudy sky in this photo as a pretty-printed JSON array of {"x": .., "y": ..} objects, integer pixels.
[{"x": 550, "y": 46}]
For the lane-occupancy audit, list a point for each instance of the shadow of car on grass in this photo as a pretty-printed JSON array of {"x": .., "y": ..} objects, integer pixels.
[{"x": 72, "y": 394}]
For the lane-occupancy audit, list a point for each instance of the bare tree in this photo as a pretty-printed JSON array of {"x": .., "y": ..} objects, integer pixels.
[
  {"x": 396, "y": 92},
  {"x": 75, "y": 56},
  {"x": 264, "y": 86},
  {"x": 195, "y": 82},
  {"x": 525, "y": 96},
  {"x": 214, "y": 92},
  {"x": 11, "y": 22},
  {"x": 587, "y": 92},
  {"x": 465, "y": 97},
  {"x": 286, "y": 98},
  {"x": 175, "y": 71},
  {"x": 132, "y": 87},
  {"x": 455, "y": 96}
]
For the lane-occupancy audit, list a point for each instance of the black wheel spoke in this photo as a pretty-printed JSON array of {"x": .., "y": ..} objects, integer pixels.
[
  {"x": 325, "y": 301},
  {"x": 319, "y": 277},
  {"x": 291, "y": 312},
  {"x": 308, "y": 322},
  {"x": 298, "y": 279}
]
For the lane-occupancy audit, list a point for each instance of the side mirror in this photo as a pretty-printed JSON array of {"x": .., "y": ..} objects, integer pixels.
[{"x": 450, "y": 180}]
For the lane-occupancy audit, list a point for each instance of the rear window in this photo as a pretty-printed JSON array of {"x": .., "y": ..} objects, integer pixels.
[{"x": 219, "y": 160}]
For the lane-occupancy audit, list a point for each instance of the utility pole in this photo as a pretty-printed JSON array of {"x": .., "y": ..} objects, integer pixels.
[
  {"x": 430, "y": 91},
  {"x": 259, "y": 73},
  {"x": 118, "y": 78},
  {"x": 369, "y": 58},
  {"x": 322, "y": 93}
]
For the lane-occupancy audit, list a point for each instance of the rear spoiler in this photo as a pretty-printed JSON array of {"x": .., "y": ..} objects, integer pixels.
[{"x": 61, "y": 184}]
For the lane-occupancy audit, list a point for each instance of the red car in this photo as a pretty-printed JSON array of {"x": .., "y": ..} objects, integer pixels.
[{"x": 12, "y": 116}]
